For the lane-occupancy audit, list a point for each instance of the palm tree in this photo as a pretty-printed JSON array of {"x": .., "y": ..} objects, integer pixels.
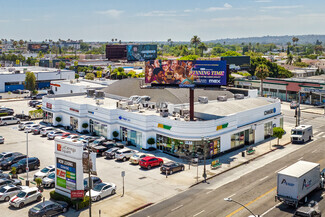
[
  {"x": 21, "y": 42},
  {"x": 290, "y": 59},
  {"x": 202, "y": 47},
  {"x": 262, "y": 72},
  {"x": 195, "y": 41}
]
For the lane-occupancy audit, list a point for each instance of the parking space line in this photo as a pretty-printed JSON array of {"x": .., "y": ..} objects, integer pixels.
[
  {"x": 198, "y": 213},
  {"x": 176, "y": 208},
  {"x": 301, "y": 158},
  {"x": 231, "y": 195},
  {"x": 280, "y": 169},
  {"x": 314, "y": 151},
  {"x": 269, "y": 210},
  {"x": 209, "y": 192}
]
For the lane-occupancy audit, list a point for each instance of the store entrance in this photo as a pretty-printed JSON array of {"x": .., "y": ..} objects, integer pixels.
[
  {"x": 124, "y": 134},
  {"x": 73, "y": 123}
]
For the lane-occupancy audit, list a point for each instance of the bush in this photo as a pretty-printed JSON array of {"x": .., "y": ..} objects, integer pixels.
[
  {"x": 81, "y": 204},
  {"x": 90, "y": 76},
  {"x": 58, "y": 119},
  {"x": 115, "y": 134},
  {"x": 84, "y": 125},
  {"x": 151, "y": 141},
  {"x": 76, "y": 76}
]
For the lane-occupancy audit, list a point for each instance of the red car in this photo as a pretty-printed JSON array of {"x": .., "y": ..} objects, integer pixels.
[
  {"x": 64, "y": 135},
  {"x": 148, "y": 162}
]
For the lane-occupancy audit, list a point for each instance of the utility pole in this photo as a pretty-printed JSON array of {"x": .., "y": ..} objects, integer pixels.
[
  {"x": 89, "y": 180},
  {"x": 27, "y": 168},
  {"x": 204, "y": 155}
]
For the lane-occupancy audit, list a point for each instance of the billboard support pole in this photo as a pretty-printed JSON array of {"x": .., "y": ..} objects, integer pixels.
[{"x": 191, "y": 104}]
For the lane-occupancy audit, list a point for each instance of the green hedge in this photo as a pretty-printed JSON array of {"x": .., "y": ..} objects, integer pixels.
[
  {"x": 3, "y": 114},
  {"x": 81, "y": 204}
]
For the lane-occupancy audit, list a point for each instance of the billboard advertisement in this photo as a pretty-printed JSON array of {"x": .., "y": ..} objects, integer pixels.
[
  {"x": 0, "y": 50},
  {"x": 186, "y": 73},
  {"x": 141, "y": 52},
  {"x": 115, "y": 51},
  {"x": 66, "y": 174},
  {"x": 38, "y": 47}
]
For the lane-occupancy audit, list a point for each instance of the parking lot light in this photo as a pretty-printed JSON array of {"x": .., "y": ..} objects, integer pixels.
[{"x": 229, "y": 199}]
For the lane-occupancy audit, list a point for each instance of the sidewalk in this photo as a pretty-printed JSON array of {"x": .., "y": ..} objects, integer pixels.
[{"x": 155, "y": 192}]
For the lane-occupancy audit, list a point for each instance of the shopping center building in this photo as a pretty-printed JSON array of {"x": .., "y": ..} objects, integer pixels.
[{"x": 223, "y": 125}]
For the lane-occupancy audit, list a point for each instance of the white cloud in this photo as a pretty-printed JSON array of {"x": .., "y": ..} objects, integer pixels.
[
  {"x": 226, "y": 6},
  {"x": 112, "y": 12},
  {"x": 283, "y": 7},
  {"x": 263, "y": 1},
  {"x": 238, "y": 18},
  {"x": 188, "y": 11},
  {"x": 4, "y": 21},
  {"x": 161, "y": 14}
]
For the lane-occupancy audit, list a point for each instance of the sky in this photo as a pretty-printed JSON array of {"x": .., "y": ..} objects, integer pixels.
[{"x": 154, "y": 20}]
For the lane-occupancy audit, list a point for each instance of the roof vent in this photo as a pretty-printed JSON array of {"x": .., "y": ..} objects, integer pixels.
[
  {"x": 99, "y": 94},
  {"x": 90, "y": 93}
]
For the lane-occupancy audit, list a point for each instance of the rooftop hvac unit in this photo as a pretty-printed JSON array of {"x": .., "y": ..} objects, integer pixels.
[
  {"x": 203, "y": 99},
  {"x": 99, "y": 94},
  {"x": 164, "y": 114},
  {"x": 222, "y": 98},
  {"x": 183, "y": 112},
  {"x": 187, "y": 118},
  {"x": 73, "y": 81},
  {"x": 239, "y": 96},
  {"x": 90, "y": 92}
]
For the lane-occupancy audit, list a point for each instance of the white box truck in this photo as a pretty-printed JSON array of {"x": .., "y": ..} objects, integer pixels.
[
  {"x": 295, "y": 182},
  {"x": 301, "y": 134}
]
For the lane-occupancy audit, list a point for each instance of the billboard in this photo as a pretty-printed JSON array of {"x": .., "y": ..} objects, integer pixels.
[
  {"x": 115, "y": 51},
  {"x": 186, "y": 73},
  {"x": 0, "y": 50},
  {"x": 66, "y": 174},
  {"x": 141, "y": 52},
  {"x": 243, "y": 62},
  {"x": 38, "y": 47}
]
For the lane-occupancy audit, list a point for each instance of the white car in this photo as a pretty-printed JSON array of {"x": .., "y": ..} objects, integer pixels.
[
  {"x": 26, "y": 196},
  {"x": 44, "y": 172},
  {"x": 49, "y": 181},
  {"x": 46, "y": 130},
  {"x": 53, "y": 134},
  {"x": 2, "y": 139},
  {"x": 102, "y": 190},
  {"x": 124, "y": 154},
  {"x": 134, "y": 159},
  {"x": 29, "y": 128},
  {"x": 22, "y": 125},
  {"x": 8, "y": 191}
]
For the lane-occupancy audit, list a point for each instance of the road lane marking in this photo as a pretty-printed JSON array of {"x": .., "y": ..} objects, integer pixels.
[
  {"x": 314, "y": 151},
  {"x": 249, "y": 203},
  {"x": 198, "y": 213},
  {"x": 301, "y": 158},
  {"x": 176, "y": 208},
  {"x": 280, "y": 169},
  {"x": 319, "y": 134},
  {"x": 264, "y": 178},
  {"x": 269, "y": 210},
  {"x": 231, "y": 195},
  {"x": 209, "y": 192}
]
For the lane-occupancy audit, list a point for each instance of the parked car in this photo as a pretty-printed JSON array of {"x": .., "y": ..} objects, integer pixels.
[
  {"x": 49, "y": 181},
  {"x": 53, "y": 134},
  {"x": 5, "y": 155},
  {"x": 2, "y": 139},
  {"x": 171, "y": 167},
  {"x": 4, "y": 176},
  {"x": 73, "y": 136},
  {"x": 8, "y": 191},
  {"x": 22, "y": 117},
  {"x": 6, "y": 111},
  {"x": 5, "y": 120},
  {"x": 44, "y": 172},
  {"x": 22, "y": 125},
  {"x": 5, "y": 181},
  {"x": 36, "y": 104},
  {"x": 307, "y": 212},
  {"x": 32, "y": 103},
  {"x": 149, "y": 162},
  {"x": 102, "y": 190},
  {"x": 39, "y": 96},
  {"x": 26, "y": 196},
  {"x": 33, "y": 164},
  {"x": 99, "y": 141},
  {"x": 6, "y": 164},
  {"x": 48, "y": 208},
  {"x": 46, "y": 130},
  {"x": 29, "y": 128},
  {"x": 100, "y": 149},
  {"x": 37, "y": 130},
  {"x": 95, "y": 181},
  {"x": 65, "y": 135},
  {"x": 134, "y": 159},
  {"x": 110, "y": 153},
  {"x": 294, "y": 105},
  {"x": 39, "y": 106},
  {"x": 124, "y": 154}
]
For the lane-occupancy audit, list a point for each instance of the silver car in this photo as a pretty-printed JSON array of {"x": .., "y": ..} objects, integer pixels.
[
  {"x": 8, "y": 191},
  {"x": 29, "y": 128},
  {"x": 22, "y": 125},
  {"x": 46, "y": 130},
  {"x": 49, "y": 181},
  {"x": 2, "y": 139},
  {"x": 53, "y": 134}
]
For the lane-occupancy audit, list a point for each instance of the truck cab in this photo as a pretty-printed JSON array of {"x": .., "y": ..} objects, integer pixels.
[{"x": 301, "y": 134}]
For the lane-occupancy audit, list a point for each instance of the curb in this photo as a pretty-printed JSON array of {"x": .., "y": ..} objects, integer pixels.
[
  {"x": 137, "y": 209},
  {"x": 13, "y": 100}
]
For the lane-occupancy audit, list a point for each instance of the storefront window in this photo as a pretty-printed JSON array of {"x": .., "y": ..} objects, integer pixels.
[
  {"x": 48, "y": 117},
  {"x": 73, "y": 123},
  {"x": 97, "y": 128},
  {"x": 132, "y": 136},
  {"x": 246, "y": 137},
  {"x": 267, "y": 130}
]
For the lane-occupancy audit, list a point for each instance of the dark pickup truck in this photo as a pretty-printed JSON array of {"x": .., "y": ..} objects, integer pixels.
[{"x": 100, "y": 149}]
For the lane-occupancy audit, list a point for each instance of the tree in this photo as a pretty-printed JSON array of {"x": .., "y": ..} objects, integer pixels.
[
  {"x": 278, "y": 132},
  {"x": 90, "y": 76},
  {"x": 202, "y": 47},
  {"x": 15, "y": 43},
  {"x": 21, "y": 42},
  {"x": 230, "y": 53},
  {"x": 30, "y": 81},
  {"x": 62, "y": 65},
  {"x": 151, "y": 141},
  {"x": 195, "y": 41},
  {"x": 289, "y": 59},
  {"x": 262, "y": 72},
  {"x": 115, "y": 134}
]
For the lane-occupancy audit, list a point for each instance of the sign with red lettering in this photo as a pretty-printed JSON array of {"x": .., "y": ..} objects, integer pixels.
[
  {"x": 74, "y": 110},
  {"x": 77, "y": 194},
  {"x": 48, "y": 105}
]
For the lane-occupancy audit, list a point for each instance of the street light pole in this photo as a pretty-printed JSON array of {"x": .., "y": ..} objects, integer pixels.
[
  {"x": 89, "y": 180},
  {"x": 204, "y": 167},
  {"x": 27, "y": 168},
  {"x": 231, "y": 200}
]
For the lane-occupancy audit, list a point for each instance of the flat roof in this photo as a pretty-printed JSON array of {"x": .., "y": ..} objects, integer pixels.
[
  {"x": 298, "y": 169},
  {"x": 85, "y": 83},
  {"x": 231, "y": 106},
  {"x": 35, "y": 69}
]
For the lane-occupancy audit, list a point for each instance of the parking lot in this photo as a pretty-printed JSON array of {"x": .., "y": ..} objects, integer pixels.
[{"x": 141, "y": 185}]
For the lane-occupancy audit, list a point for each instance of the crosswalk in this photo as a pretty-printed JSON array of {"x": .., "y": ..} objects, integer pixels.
[{"x": 319, "y": 134}]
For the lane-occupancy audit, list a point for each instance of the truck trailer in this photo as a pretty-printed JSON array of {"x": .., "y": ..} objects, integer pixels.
[{"x": 297, "y": 181}]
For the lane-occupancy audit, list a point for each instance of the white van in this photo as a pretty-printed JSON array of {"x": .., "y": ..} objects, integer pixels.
[
  {"x": 301, "y": 134},
  {"x": 9, "y": 120}
]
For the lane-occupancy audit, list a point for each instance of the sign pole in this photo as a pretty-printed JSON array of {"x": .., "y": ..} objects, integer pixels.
[
  {"x": 27, "y": 168},
  {"x": 123, "y": 175},
  {"x": 191, "y": 104}
]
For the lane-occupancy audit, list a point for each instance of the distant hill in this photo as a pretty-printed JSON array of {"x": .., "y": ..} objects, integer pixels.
[{"x": 280, "y": 40}]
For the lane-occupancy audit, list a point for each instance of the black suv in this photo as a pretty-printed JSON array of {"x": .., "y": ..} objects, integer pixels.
[
  {"x": 6, "y": 164},
  {"x": 33, "y": 164},
  {"x": 95, "y": 181},
  {"x": 7, "y": 111}
]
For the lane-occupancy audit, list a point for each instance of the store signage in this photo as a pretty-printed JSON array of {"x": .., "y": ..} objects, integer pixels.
[
  {"x": 74, "y": 110},
  {"x": 270, "y": 111},
  {"x": 164, "y": 126},
  {"x": 77, "y": 194},
  {"x": 48, "y": 105},
  {"x": 90, "y": 112},
  {"x": 188, "y": 142},
  {"x": 314, "y": 90},
  {"x": 124, "y": 119},
  {"x": 66, "y": 174},
  {"x": 223, "y": 126},
  {"x": 65, "y": 149},
  {"x": 56, "y": 85}
]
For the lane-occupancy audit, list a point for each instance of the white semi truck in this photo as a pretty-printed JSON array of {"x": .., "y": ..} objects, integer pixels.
[
  {"x": 301, "y": 134},
  {"x": 297, "y": 181}
]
